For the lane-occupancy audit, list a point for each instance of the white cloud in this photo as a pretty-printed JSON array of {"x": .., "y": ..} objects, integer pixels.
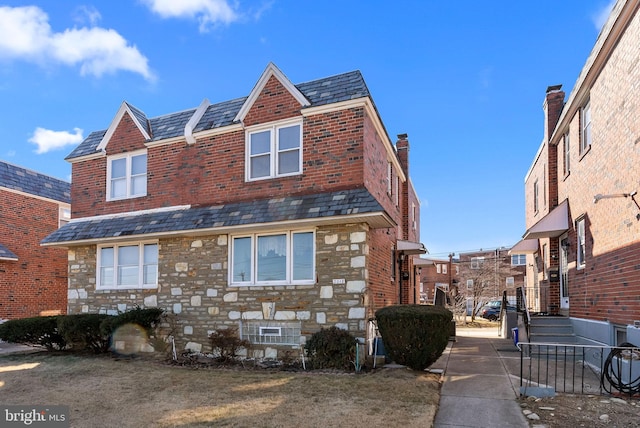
[
  {"x": 48, "y": 140},
  {"x": 207, "y": 12},
  {"x": 25, "y": 34},
  {"x": 84, "y": 14},
  {"x": 600, "y": 17}
]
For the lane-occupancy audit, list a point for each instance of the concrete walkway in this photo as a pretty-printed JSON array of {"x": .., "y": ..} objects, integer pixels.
[{"x": 478, "y": 390}]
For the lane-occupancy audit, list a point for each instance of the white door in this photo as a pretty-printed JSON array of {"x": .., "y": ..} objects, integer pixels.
[{"x": 564, "y": 273}]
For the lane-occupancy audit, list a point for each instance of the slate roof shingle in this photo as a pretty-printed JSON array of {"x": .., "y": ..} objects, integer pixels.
[
  {"x": 289, "y": 208},
  {"x": 328, "y": 90},
  {"x": 31, "y": 182}
]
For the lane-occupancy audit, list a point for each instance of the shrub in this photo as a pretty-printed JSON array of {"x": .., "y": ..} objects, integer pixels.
[
  {"x": 82, "y": 331},
  {"x": 414, "y": 335},
  {"x": 331, "y": 348},
  {"x": 42, "y": 331},
  {"x": 147, "y": 318},
  {"x": 227, "y": 343}
]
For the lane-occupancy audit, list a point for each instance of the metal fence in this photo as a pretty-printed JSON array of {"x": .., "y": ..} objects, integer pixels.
[{"x": 546, "y": 368}]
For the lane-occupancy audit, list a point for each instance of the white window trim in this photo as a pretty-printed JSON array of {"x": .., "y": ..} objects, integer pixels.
[
  {"x": 581, "y": 241},
  {"x": 140, "y": 285},
  {"x": 64, "y": 215},
  {"x": 518, "y": 259},
  {"x": 252, "y": 282},
  {"x": 476, "y": 262},
  {"x": 273, "y": 155},
  {"x": 585, "y": 128},
  {"x": 127, "y": 156}
]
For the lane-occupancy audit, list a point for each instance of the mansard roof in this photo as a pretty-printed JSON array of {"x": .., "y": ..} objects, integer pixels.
[
  {"x": 325, "y": 91},
  {"x": 31, "y": 182},
  {"x": 357, "y": 205}
]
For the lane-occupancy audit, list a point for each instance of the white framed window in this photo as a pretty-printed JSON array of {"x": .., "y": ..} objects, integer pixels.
[
  {"x": 469, "y": 284},
  {"x": 396, "y": 190},
  {"x": 581, "y": 238},
  {"x": 274, "y": 151},
  {"x": 127, "y": 176},
  {"x": 444, "y": 269},
  {"x": 477, "y": 262},
  {"x": 438, "y": 268},
  {"x": 566, "y": 166},
  {"x": 279, "y": 258},
  {"x": 585, "y": 127},
  {"x": 510, "y": 281},
  {"x": 414, "y": 216},
  {"x": 389, "y": 178},
  {"x": 518, "y": 259},
  {"x": 535, "y": 196},
  {"x": 126, "y": 266},
  {"x": 64, "y": 215}
]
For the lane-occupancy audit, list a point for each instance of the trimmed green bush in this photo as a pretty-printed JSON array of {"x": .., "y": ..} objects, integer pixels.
[
  {"x": 331, "y": 348},
  {"x": 82, "y": 331},
  {"x": 414, "y": 335},
  {"x": 147, "y": 318},
  {"x": 41, "y": 331}
]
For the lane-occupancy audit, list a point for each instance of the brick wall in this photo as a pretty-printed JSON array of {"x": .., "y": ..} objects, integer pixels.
[
  {"x": 36, "y": 283},
  {"x": 609, "y": 286}
]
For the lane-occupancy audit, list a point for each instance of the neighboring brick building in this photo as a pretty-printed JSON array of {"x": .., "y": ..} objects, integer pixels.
[
  {"x": 486, "y": 274},
  {"x": 437, "y": 274},
  {"x": 279, "y": 213},
  {"x": 33, "y": 279},
  {"x": 582, "y": 212}
]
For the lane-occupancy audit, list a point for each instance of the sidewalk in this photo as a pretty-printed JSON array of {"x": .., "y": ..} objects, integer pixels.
[
  {"x": 478, "y": 390},
  {"x": 14, "y": 348}
]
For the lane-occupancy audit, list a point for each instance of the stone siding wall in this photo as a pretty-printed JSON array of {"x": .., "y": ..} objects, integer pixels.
[{"x": 193, "y": 285}]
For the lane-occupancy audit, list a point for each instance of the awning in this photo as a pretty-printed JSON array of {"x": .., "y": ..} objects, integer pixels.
[
  {"x": 525, "y": 246},
  {"x": 410, "y": 247},
  {"x": 552, "y": 225},
  {"x": 6, "y": 254},
  {"x": 423, "y": 262}
]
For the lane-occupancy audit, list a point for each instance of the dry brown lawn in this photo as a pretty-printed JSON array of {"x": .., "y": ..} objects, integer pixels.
[{"x": 105, "y": 392}]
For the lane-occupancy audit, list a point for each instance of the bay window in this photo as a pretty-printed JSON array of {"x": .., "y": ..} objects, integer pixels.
[{"x": 273, "y": 259}]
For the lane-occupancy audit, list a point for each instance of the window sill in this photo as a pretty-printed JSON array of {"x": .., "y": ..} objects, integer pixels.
[
  {"x": 290, "y": 284},
  {"x": 126, "y": 198},
  {"x": 584, "y": 153},
  {"x": 136, "y": 287}
]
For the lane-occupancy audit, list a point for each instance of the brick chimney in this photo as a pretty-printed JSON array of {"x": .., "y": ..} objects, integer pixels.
[
  {"x": 402, "y": 148},
  {"x": 552, "y": 107}
]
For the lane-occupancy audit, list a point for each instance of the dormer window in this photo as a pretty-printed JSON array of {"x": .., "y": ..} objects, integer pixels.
[
  {"x": 274, "y": 151},
  {"x": 127, "y": 176}
]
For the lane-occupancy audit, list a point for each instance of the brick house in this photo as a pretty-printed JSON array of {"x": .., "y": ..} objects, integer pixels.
[
  {"x": 485, "y": 275},
  {"x": 582, "y": 212},
  {"x": 437, "y": 274},
  {"x": 278, "y": 213},
  {"x": 33, "y": 279}
]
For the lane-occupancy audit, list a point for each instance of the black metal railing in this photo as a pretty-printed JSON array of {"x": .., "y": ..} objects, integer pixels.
[{"x": 579, "y": 369}]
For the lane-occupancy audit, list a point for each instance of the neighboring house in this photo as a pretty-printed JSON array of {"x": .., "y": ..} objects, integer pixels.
[
  {"x": 486, "y": 274},
  {"x": 437, "y": 274},
  {"x": 33, "y": 279},
  {"x": 582, "y": 212},
  {"x": 279, "y": 213}
]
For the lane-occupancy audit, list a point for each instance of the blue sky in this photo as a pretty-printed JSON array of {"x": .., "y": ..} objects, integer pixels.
[{"x": 465, "y": 80}]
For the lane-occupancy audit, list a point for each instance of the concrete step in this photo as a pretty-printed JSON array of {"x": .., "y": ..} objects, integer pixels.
[
  {"x": 549, "y": 329},
  {"x": 550, "y": 320},
  {"x": 553, "y": 337}
]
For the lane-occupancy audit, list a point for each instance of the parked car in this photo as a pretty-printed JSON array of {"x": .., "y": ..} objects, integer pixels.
[{"x": 491, "y": 310}]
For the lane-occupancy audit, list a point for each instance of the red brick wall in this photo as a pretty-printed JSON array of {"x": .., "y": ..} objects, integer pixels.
[
  {"x": 608, "y": 288},
  {"x": 37, "y": 282},
  {"x": 212, "y": 171}
]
